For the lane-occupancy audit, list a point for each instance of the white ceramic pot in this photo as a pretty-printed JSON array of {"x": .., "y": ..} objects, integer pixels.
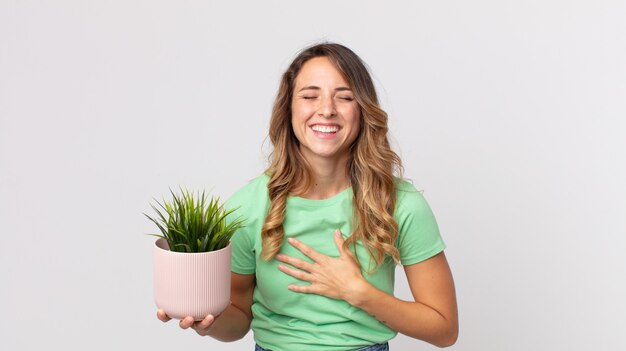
[{"x": 191, "y": 284}]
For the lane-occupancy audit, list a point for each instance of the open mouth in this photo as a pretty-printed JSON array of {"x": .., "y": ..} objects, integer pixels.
[{"x": 325, "y": 130}]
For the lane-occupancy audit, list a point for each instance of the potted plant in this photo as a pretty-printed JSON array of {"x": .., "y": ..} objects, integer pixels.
[{"x": 192, "y": 255}]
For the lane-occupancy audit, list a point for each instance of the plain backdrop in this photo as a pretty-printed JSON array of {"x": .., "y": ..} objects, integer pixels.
[{"x": 510, "y": 115}]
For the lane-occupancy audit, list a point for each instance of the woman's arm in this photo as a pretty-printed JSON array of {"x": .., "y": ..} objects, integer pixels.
[
  {"x": 234, "y": 322},
  {"x": 431, "y": 317}
]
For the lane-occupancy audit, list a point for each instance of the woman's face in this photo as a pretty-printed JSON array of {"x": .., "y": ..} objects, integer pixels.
[{"x": 324, "y": 114}]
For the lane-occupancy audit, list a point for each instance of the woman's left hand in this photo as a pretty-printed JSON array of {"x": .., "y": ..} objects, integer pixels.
[{"x": 337, "y": 278}]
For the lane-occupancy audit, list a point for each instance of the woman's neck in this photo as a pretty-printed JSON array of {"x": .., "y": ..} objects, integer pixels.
[{"x": 328, "y": 178}]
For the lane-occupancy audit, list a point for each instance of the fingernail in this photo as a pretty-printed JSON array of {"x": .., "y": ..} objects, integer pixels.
[{"x": 291, "y": 240}]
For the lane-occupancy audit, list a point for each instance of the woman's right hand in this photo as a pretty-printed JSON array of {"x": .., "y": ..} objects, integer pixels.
[
  {"x": 231, "y": 324},
  {"x": 201, "y": 327}
]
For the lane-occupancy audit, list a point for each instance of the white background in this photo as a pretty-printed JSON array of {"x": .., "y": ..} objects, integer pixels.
[{"x": 509, "y": 114}]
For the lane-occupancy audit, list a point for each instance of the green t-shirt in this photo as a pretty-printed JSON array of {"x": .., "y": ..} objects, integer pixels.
[{"x": 287, "y": 320}]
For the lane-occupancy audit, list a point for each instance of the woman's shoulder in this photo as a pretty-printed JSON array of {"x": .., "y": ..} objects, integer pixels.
[
  {"x": 418, "y": 237},
  {"x": 251, "y": 193},
  {"x": 408, "y": 198},
  {"x": 405, "y": 187}
]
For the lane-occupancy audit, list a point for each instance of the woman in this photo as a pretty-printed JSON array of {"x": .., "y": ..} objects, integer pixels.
[{"x": 326, "y": 223}]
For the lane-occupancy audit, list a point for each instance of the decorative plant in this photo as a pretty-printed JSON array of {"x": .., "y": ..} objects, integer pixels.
[{"x": 194, "y": 224}]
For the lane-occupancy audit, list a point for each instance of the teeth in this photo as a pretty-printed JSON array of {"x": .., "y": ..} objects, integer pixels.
[{"x": 325, "y": 129}]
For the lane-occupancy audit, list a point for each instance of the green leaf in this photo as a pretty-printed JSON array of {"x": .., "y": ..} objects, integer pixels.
[{"x": 194, "y": 222}]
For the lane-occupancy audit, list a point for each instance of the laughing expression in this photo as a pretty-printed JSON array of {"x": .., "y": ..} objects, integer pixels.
[{"x": 325, "y": 115}]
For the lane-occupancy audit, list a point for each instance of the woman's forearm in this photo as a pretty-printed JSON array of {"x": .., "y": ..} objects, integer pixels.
[
  {"x": 232, "y": 324},
  {"x": 414, "y": 319}
]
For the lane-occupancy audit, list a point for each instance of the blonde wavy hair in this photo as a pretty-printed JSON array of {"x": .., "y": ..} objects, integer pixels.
[{"x": 372, "y": 166}]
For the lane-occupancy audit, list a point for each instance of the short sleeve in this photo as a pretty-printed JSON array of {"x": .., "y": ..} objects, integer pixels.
[
  {"x": 243, "y": 255},
  {"x": 419, "y": 237}
]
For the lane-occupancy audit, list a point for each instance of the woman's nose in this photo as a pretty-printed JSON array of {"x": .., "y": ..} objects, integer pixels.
[{"x": 327, "y": 107}]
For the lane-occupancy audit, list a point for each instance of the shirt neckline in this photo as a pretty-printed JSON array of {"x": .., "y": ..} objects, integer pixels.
[{"x": 297, "y": 200}]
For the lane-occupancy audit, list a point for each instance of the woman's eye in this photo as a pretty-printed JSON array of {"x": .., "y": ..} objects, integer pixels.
[
  {"x": 309, "y": 97},
  {"x": 346, "y": 98}
]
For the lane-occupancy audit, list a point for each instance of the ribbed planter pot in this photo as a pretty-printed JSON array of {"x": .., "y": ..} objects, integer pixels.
[{"x": 191, "y": 284}]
